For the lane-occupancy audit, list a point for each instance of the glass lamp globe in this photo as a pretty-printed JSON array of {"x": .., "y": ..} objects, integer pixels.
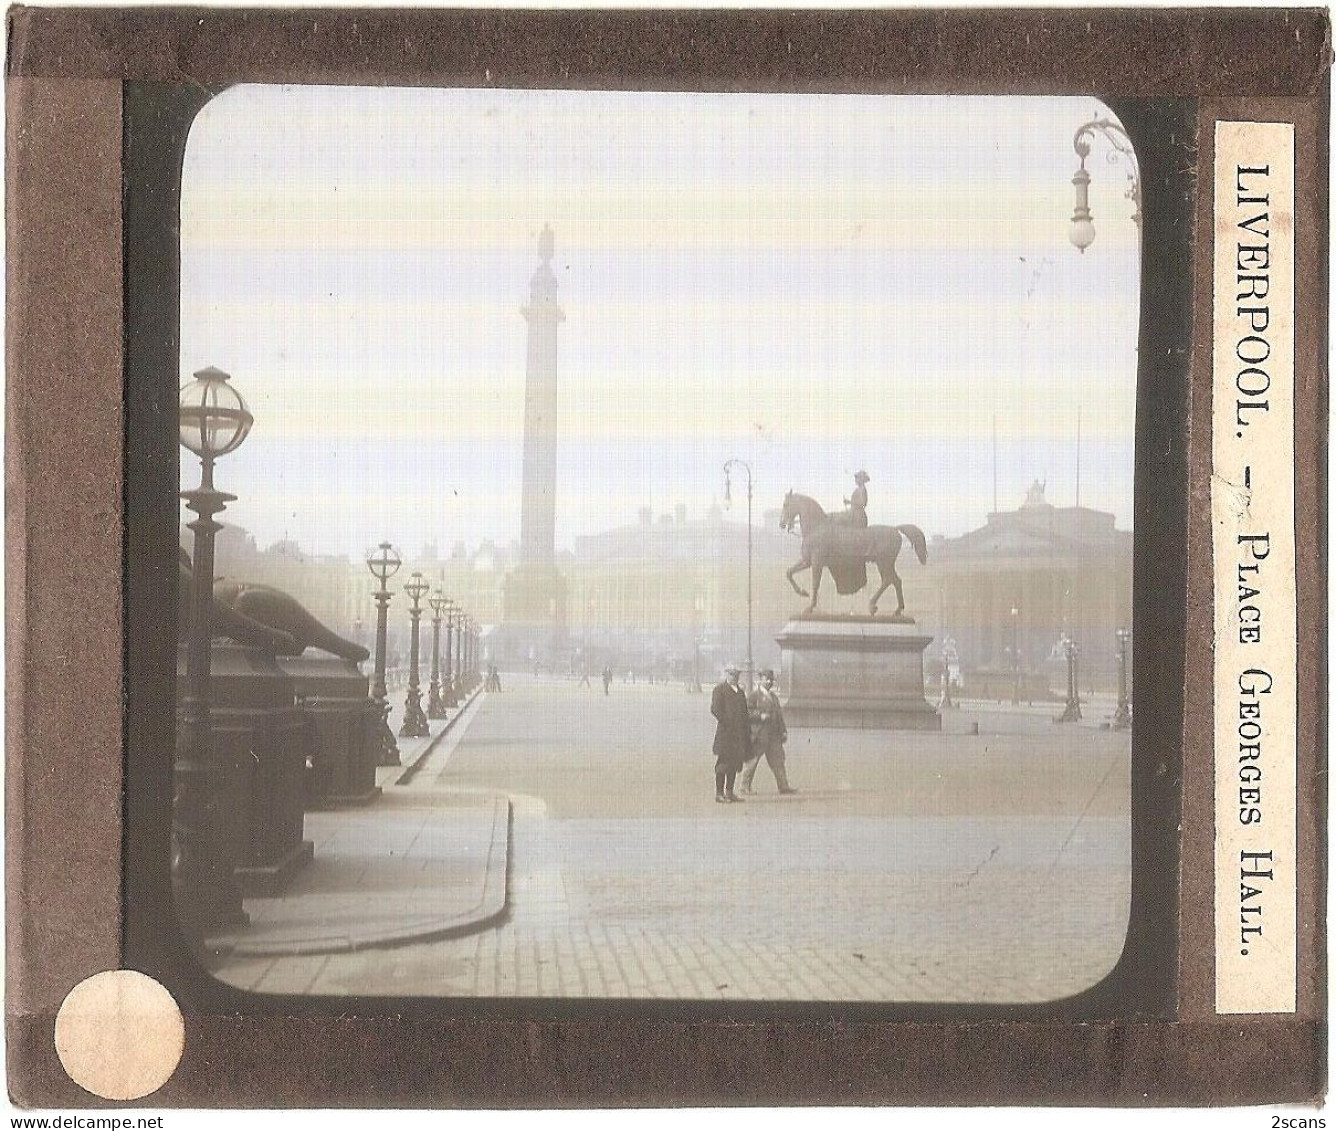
[
  {"x": 1082, "y": 233},
  {"x": 214, "y": 419},
  {"x": 416, "y": 586},
  {"x": 384, "y": 563}
]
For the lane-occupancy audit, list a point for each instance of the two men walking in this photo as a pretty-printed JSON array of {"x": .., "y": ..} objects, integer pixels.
[{"x": 745, "y": 732}]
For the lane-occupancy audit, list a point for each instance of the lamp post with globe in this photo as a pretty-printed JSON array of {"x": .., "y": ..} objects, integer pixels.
[
  {"x": 461, "y": 651},
  {"x": 435, "y": 704},
  {"x": 448, "y": 691},
  {"x": 465, "y": 629},
  {"x": 1071, "y": 713},
  {"x": 415, "y": 723},
  {"x": 1082, "y": 234},
  {"x": 1122, "y": 717},
  {"x": 460, "y": 618},
  {"x": 728, "y": 498},
  {"x": 213, "y": 422},
  {"x": 1015, "y": 656},
  {"x": 697, "y": 608},
  {"x": 384, "y": 563}
]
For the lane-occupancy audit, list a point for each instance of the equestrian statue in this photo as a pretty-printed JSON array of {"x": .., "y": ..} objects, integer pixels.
[{"x": 836, "y": 543}]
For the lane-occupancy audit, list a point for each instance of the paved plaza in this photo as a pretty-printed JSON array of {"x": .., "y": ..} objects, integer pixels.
[{"x": 949, "y": 867}]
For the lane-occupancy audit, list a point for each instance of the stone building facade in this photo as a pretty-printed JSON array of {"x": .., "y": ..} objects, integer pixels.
[
  {"x": 1008, "y": 592},
  {"x": 656, "y": 594}
]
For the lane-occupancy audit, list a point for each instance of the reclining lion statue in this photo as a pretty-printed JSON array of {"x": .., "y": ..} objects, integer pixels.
[{"x": 264, "y": 617}]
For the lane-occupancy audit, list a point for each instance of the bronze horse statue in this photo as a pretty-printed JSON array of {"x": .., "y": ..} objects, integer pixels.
[{"x": 831, "y": 544}]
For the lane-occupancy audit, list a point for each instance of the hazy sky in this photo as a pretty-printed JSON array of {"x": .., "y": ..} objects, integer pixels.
[{"x": 811, "y": 283}]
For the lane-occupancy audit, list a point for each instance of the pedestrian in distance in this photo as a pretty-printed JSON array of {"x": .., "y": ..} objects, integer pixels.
[
  {"x": 607, "y": 680},
  {"x": 768, "y": 734},
  {"x": 584, "y": 679},
  {"x": 732, "y": 734}
]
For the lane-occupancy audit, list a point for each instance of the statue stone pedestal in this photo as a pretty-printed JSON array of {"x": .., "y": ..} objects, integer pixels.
[
  {"x": 335, "y": 695},
  {"x": 856, "y": 672},
  {"x": 260, "y": 743},
  {"x": 533, "y": 626}
]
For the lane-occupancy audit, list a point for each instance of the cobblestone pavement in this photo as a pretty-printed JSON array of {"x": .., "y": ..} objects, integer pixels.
[{"x": 947, "y": 867}]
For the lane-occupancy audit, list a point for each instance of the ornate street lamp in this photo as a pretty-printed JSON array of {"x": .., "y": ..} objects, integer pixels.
[
  {"x": 468, "y": 652},
  {"x": 697, "y": 608},
  {"x": 214, "y": 420},
  {"x": 448, "y": 692},
  {"x": 1082, "y": 234},
  {"x": 1122, "y": 717},
  {"x": 383, "y": 563},
  {"x": 728, "y": 498},
  {"x": 1015, "y": 657},
  {"x": 459, "y": 653},
  {"x": 435, "y": 706},
  {"x": 949, "y": 657},
  {"x": 1071, "y": 713},
  {"x": 588, "y": 645},
  {"x": 415, "y": 723}
]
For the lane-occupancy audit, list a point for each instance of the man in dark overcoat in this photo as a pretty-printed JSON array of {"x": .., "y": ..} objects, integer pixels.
[{"x": 732, "y": 734}]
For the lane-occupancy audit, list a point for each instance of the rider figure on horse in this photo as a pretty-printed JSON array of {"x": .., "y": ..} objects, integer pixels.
[
  {"x": 857, "y": 502},
  {"x": 843, "y": 544}
]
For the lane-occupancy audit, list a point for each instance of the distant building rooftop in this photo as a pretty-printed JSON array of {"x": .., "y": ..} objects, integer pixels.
[
  {"x": 1038, "y": 528},
  {"x": 677, "y": 538}
]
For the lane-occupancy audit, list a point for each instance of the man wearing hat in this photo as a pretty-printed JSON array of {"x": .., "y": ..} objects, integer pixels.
[
  {"x": 768, "y": 735},
  {"x": 732, "y": 734},
  {"x": 858, "y": 500}
]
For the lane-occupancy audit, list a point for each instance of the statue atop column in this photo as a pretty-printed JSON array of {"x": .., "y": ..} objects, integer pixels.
[{"x": 534, "y": 620}]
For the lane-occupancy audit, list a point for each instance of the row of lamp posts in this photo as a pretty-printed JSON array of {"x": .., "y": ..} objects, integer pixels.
[
  {"x": 213, "y": 422},
  {"x": 1071, "y": 712},
  {"x": 460, "y": 674}
]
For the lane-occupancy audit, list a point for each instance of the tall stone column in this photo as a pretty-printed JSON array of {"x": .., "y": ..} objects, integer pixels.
[
  {"x": 535, "y": 593},
  {"x": 538, "y": 506}
]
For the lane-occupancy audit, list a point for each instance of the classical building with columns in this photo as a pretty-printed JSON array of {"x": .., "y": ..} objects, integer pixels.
[
  {"x": 669, "y": 591},
  {"x": 1007, "y": 593},
  {"x": 666, "y": 590}
]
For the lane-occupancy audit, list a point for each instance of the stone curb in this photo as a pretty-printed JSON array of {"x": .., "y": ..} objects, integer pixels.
[
  {"x": 490, "y": 909},
  {"x": 407, "y": 771}
]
